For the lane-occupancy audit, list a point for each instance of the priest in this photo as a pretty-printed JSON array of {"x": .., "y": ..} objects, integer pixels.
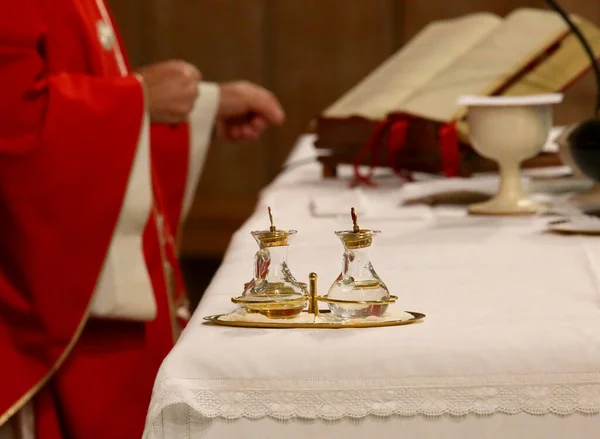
[{"x": 98, "y": 166}]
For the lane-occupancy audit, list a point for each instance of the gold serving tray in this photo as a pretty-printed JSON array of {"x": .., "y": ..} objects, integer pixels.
[
  {"x": 271, "y": 308},
  {"x": 291, "y": 324}
]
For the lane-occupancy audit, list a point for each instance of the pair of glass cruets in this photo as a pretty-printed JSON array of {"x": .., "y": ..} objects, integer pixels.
[{"x": 358, "y": 292}]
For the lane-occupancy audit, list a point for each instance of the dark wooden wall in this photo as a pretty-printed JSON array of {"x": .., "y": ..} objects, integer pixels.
[{"x": 308, "y": 52}]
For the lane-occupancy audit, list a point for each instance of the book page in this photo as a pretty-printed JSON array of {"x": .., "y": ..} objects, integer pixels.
[
  {"x": 430, "y": 51},
  {"x": 524, "y": 35},
  {"x": 562, "y": 67}
]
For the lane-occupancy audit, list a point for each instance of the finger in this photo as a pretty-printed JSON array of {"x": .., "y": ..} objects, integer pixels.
[
  {"x": 249, "y": 133},
  {"x": 234, "y": 132},
  {"x": 246, "y": 133},
  {"x": 238, "y": 137},
  {"x": 192, "y": 72},
  {"x": 266, "y": 105},
  {"x": 258, "y": 124}
]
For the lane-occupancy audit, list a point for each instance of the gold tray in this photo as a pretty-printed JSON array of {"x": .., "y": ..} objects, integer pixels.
[{"x": 290, "y": 324}]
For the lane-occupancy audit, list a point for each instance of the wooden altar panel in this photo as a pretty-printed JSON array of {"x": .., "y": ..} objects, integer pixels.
[
  {"x": 126, "y": 13},
  {"x": 225, "y": 39},
  {"x": 309, "y": 52},
  {"x": 417, "y": 14},
  {"x": 318, "y": 49}
]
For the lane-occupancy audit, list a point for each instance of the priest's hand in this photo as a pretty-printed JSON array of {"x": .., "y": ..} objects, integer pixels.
[
  {"x": 172, "y": 90},
  {"x": 245, "y": 110}
]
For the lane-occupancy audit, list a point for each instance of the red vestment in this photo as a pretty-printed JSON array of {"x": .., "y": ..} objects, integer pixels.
[{"x": 69, "y": 127}]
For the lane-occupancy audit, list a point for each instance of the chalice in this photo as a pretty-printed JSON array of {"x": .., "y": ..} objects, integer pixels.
[{"x": 509, "y": 130}]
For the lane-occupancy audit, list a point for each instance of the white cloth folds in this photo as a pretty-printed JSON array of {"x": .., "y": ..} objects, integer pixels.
[
  {"x": 368, "y": 204},
  {"x": 336, "y": 203}
]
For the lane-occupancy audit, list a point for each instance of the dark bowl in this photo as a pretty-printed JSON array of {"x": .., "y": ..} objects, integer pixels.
[{"x": 584, "y": 142}]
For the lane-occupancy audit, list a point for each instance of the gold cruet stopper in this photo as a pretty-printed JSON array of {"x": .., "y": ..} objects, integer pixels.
[
  {"x": 357, "y": 238},
  {"x": 272, "y": 237}
]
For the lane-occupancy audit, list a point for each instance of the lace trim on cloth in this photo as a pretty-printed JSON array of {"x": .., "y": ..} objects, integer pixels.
[{"x": 336, "y": 399}]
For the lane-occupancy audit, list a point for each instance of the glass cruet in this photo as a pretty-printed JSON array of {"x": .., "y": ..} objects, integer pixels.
[
  {"x": 274, "y": 291},
  {"x": 358, "y": 284}
]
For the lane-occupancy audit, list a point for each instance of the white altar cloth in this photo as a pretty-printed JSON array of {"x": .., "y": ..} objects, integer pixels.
[{"x": 510, "y": 346}]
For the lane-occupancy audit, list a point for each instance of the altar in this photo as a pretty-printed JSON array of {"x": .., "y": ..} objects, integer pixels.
[{"x": 510, "y": 346}]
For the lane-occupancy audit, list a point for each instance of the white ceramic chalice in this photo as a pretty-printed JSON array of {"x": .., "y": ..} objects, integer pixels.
[{"x": 509, "y": 130}]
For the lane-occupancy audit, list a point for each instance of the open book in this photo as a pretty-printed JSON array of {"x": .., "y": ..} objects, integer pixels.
[
  {"x": 531, "y": 51},
  {"x": 473, "y": 55}
]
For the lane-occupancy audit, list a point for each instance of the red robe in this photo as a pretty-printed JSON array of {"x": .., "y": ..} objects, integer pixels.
[{"x": 70, "y": 121}]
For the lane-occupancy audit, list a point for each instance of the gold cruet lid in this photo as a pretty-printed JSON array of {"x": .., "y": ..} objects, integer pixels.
[
  {"x": 272, "y": 237},
  {"x": 357, "y": 238}
]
